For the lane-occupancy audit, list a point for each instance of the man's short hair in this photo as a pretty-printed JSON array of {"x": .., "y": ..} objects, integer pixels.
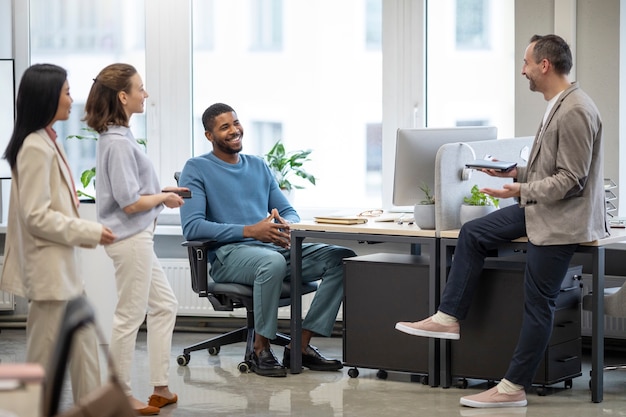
[
  {"x": 554, "y": 49},
  {"x": 214, "y": 110}
]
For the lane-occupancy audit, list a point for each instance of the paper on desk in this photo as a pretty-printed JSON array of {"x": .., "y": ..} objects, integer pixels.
[{"x": 404, "y": 218}]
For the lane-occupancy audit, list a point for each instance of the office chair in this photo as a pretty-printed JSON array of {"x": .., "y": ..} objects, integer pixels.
[
  {"x": 614, "y": 306},
  {"x": 227, "y": 297},
  {"x": 108, "y": 400}
]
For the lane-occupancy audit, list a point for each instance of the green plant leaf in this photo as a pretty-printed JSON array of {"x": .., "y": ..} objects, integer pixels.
[
  {"x": 476, "y": 198},
  {"x": 430, "y": 199},
  {"x": 87, "y": 176},
  {"x": 284, "y": 165},
  {"x": 84, "y": 194}
]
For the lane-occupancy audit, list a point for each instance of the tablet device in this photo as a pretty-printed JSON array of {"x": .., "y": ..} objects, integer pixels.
[
  {"x": 502, "y": 166},
  {"x": 183, "y": 194}
]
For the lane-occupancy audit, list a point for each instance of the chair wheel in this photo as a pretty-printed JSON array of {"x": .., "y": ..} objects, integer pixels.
[
  {"x": 244, "y": 367},
  {"x": 213, "y": 350},
  {"x": 462, "y": 383},
  {"x": 568, "y": 384},
  {"x": 353, "y": 372},
  {"x": 381, "y": 374},
  {"x": 183, "y": 359}
]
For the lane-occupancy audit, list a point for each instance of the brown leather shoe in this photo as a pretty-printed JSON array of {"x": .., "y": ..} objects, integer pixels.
[
  {"x": 147, "y": 411},
  {"x": 158, "y": 401}
]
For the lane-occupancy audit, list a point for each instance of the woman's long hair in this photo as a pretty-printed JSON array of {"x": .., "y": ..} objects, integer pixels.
[
  {"x": 103, "y": 107},
  {"x": 37, "y": 103}
]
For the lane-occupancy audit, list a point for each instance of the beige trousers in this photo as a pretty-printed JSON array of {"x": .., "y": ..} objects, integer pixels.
[
  {"x": 143, "y": 293},
  {"x": 42, "y": 333}
]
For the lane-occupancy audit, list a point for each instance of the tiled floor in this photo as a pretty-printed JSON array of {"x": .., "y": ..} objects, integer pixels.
[{"x": 212, "y": 386}]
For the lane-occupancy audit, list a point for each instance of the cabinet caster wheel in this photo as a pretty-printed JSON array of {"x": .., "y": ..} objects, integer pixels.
[
  {"x": 462, "y": 383},
  {"x": 353, "y": 372},
  {"x": 542, "y": 391},
  {"x": 213, "y": 350},
  {"x": 381, "y": 374},
  {"x": 183, "y": 360},
  {"x": 568, "y": 384},
  {"x": 244, "y": 367},
  {"x": 423, "y": 379}
]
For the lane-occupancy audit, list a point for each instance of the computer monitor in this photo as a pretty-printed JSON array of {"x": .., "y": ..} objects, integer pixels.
[{"x": 416, "y": 150}]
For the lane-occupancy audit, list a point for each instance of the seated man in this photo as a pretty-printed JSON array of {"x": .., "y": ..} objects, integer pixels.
[{"x": 232, "y": 196}]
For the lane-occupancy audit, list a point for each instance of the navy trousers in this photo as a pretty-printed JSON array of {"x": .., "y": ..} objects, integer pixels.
[{"x": 546, "y": 267}]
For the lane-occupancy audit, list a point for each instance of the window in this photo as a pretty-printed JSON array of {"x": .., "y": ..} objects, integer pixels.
[
  {"x": 83, "y": 36},
  {"x": 266, "y": 134},
  {"x": 313, "y": 79},
  {"x": 75, "y": 25},
  {"x": 203, "y": 20},
  {"x": 470, "y": 74},
  {"x": 373, "y": 24},
  {"x": 309, "y": 73},
  {"x": 472, "y": 24},
  {"x": 267, "y": 25}
]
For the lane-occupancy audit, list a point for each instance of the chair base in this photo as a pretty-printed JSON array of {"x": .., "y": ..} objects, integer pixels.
[{"x": 243, "y": 334}]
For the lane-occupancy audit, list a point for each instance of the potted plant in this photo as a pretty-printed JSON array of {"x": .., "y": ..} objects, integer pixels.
[
  {"x": 477, "y": 204},
  {"x": 424, "y": 211},
  {"x": 285, "y": 165}
]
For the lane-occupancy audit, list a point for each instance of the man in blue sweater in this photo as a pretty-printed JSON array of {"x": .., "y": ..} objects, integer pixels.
[{"x": 236, "y": 201}]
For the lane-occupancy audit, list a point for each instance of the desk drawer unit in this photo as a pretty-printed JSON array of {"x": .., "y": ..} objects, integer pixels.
[
  {"x": 380, "y": 290},
  {"x": 490, "y": 332}
]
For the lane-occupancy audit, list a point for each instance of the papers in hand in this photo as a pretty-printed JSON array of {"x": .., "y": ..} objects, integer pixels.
[
  {"x": 502, "y": 166},
  {"x": 340, "y": 219}
]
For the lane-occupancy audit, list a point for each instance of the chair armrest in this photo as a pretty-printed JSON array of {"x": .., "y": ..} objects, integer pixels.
[
  {"x": 197, "y": 252},
  {"x": 205, "y": 243}
]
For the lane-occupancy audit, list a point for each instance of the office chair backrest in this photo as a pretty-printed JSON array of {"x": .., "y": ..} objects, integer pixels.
[
  {"x": 223, "y": 297},
  {"x": 78, "y": 313},
  {"x": 109, "y": 400}
]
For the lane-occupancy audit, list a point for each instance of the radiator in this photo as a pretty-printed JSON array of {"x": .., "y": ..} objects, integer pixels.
[
  {"x": 614, "y": 327},
  {"x": 189, "y": 304},
  {"x": 6, "y": 299}
]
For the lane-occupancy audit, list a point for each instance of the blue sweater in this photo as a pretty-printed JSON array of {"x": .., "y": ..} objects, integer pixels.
[{"x": 226, "y": 197}]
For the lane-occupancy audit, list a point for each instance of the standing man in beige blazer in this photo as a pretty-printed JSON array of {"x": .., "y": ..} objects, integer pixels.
[
  {"x": 44, "y": 226},
  {"x": 561, "y": 204}
]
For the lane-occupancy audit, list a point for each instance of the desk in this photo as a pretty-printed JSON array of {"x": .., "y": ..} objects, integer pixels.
[
  {"x": 371, "y": 231},
  {"x": 596, "y": 250}
]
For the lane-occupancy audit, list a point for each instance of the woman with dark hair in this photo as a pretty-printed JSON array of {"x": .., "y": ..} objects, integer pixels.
[
  {"x": 128, "y": 200},
  {"x": 44, "y": 226}
]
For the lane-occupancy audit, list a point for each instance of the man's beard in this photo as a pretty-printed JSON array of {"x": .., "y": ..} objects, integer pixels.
[{"x": 229, "y": 150}]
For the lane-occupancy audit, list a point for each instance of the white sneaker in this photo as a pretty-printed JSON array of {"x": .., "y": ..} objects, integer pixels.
[
  {"x": 429, "y": 328},
  {"x": 492, "y": 399}
]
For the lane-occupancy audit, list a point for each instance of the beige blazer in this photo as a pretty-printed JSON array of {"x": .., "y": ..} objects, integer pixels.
[
  {"x": 44, "y": 226},
  {"x": 562, "y": 186}
]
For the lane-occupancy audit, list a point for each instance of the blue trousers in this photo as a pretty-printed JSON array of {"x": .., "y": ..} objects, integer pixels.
[
  {"x": 546, "y": 267},
  {"x": 265, "y": 267}
]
